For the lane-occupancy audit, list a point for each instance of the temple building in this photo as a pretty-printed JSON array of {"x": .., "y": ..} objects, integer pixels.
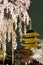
[{"x": 30, "y": 39}]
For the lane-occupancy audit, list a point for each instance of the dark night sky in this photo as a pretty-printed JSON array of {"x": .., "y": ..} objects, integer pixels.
[{"x": 36, "y": 14}]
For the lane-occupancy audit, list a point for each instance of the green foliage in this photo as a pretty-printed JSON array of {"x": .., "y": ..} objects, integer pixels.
[{"x": 1, "y": 51}]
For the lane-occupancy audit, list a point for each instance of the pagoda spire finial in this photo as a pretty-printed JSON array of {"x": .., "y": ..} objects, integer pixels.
[{"x": 30, "y": 23}]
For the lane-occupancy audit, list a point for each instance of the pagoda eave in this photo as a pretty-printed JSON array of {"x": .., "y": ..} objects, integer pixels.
[
  {"x": 31, "y": 34},
  {"x": 30, "y": 45},
  {"x": 31, "y": 40}
]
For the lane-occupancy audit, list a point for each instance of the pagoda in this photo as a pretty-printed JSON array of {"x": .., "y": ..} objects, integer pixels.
[{"x": 30, "y": 39}]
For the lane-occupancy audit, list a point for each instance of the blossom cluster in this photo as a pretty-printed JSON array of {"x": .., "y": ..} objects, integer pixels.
[{"x": 15, "y": 8}]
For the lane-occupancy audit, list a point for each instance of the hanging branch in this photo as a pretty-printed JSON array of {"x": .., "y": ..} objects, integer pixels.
[{"x": 13, "y": 10}]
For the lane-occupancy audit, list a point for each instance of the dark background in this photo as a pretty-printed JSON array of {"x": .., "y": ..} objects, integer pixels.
[{"x": 36, "y": 15}]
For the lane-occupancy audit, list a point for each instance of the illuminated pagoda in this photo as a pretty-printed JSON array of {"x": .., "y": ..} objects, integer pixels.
[{"x": 30, "y": 39}]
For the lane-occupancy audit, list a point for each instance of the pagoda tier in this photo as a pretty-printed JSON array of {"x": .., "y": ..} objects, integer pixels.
[
  {"x": 28, "y": 46},
  {"x": 31, "y": 40},
  {"x": 31, "y": 33}
]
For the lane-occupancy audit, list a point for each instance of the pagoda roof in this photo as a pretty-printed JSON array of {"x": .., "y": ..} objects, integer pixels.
[
  {"x": 27, "y": 46},
  {"x": 30, "y": 40},
  {"x": 31, "y": 33}
]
